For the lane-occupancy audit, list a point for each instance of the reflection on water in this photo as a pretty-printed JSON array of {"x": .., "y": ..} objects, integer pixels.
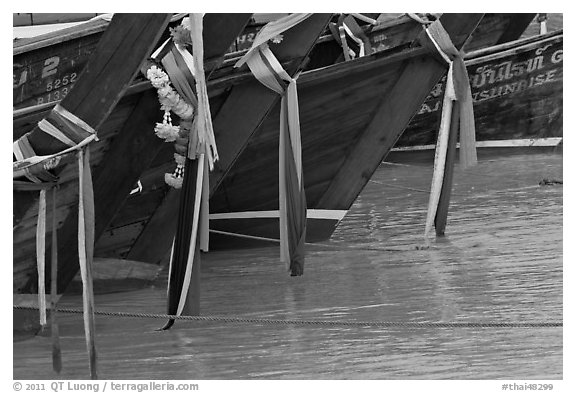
[{"x": 500, "y": 261}]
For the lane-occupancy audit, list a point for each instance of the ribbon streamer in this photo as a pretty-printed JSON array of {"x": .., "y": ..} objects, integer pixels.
[
  {"x": 40, "y": 256},
  {"x": 271, "y": 30},
  {"x": 206, "y": 141},
  {"x": 459, "y": 75},
  {"x": 192, "y": 249},
  {"x": 75, "y": 134},
  {"x": 203, "y": 152},
  {"x": 457, "y": 89},
  {"x": 292, "y": 199},
  {"x": 86, "y": 252},
  {"x": 56, "y": 351}
]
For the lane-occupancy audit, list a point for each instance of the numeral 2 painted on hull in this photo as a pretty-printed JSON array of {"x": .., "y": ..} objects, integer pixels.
[{"x": 48, "y": 74}]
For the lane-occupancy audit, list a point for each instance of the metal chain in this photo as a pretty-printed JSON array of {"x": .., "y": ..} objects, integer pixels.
[{"x": 216, "y": 318}]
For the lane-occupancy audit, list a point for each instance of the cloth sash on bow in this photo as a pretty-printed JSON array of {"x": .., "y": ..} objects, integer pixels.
[
  {"x": 348, "y": 27},
  {"x": 75, "y": 134},
  {"x": 292, "y": 199},
  {"x": 186, "y": 72},
  {"x": 457, "y": 96}
]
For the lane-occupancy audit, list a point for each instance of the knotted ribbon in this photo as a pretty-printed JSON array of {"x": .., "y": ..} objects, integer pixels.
[
  {"x": 74, "y": 133},
  {"x": 461, "y": 91},
  {"x": 292, "y": 199},
  {"x": 187, "y": 74},
  {"x": 457, "y": 89}
]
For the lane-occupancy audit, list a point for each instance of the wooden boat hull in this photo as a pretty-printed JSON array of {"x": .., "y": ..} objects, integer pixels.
[
  {"x": 124, "y": 151},
  {"x": 118, "y": 158},
  {"x": 250, "y": 188},
  {"x": 329, "y": 128},
  {"x": 517, "y": 94},
  {"x": 332, "y": 135},
  {"x": 151, "y": 205},
  {"x": 334, "y": 115},
  {"x": 45, "y": 70}
]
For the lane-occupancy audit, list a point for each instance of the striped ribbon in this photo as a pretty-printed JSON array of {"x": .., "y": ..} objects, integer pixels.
[
  {"x": 188, "y": 71},
  {"x": 206, "y": 142},
  {"x": 458, "y": 74},
  {"x": 86, "y": 251},
  {"x": 63, "y": 126},
  {"x": 292, "y": 199},
  {"x": 41, "y": 237},
  {"x": 457, "y": 94},
  {"x": 355, "y": 32},
  {"x": 74, "y": 134},
  {"x": 348, "y": 53},
  {"x": 181, "y": 75},
  {"x": 348, "y": 27},
  {"x": 23, "y": 151},
  {"x": 271, "y": 30},
  {"x": 40, "y": 256},
  {"x": 192, "y": 249}
]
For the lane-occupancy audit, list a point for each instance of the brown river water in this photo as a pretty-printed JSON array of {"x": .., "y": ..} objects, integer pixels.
[{"x": 500, "y": 261}]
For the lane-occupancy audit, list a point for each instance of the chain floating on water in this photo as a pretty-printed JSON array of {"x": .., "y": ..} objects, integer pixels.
[{"x": 267, "y": 321}]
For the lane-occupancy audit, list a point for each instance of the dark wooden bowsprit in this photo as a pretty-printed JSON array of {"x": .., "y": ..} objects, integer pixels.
[
  {"x": 419, "y": 75},
  {"x": 126, "y": 42},
  {"x": 101, "y": 85}
]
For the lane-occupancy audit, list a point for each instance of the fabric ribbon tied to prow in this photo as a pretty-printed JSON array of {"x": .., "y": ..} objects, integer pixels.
[
  {"x": 461, "y": 92},
  {"x": 292, "y": 200},
  {"x": 75, "y": 135},
  {"x": 457, "y": 93},
  {"x": 186, "y": 71},
  {"x": 187, "y": 74}
]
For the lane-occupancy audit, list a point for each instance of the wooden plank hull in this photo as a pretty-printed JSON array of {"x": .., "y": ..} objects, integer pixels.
[
  {"x": 45, "y": 70},
  {"x": 126, "y": 115},
  {"x": 517, "y": 94},
  {"x": 338, "y": 105},
  {"x": 336, "y": 112},
  {"x": 327, "y": 104},
  {"x": 120, "y": 133}
]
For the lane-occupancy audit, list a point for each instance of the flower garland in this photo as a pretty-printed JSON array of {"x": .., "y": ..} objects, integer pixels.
[{"x": 170, "y": 100}]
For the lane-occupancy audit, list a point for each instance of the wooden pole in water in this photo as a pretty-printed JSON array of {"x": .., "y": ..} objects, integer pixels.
[{"x": 444, "y": 201}]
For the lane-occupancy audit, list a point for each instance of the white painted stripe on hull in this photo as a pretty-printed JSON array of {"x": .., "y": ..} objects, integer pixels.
[
  {"x": 538, "y": 142},
  {"x": 242, "y": 236},
  {"x": 321, "y": 214}
]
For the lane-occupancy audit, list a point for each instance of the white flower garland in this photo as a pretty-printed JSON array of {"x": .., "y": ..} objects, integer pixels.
[{"x": 170, "y": 100}]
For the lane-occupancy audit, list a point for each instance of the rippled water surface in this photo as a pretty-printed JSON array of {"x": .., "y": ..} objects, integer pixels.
[{"x": 501, "y": 260}]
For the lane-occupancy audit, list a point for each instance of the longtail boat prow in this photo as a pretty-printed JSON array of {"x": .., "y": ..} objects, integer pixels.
[
  {"x": 250, "y": 181},
  {"x": 142, "y": 142},
  {"x": 517, "y": 94},
  {"x": 245, "y": 107},
  {"x": 341, "y": 105},
  {"x": 236, "y": 98},
  {"x": 123, "y": 150},
  {"x": 352, "y": 113},
  {"x": 70, "y": 128}
]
